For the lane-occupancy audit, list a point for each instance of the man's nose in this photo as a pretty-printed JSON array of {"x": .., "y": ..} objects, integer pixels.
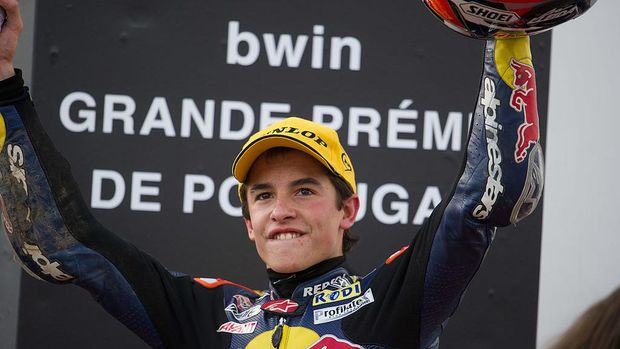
[{"x": 282, "y": 210}]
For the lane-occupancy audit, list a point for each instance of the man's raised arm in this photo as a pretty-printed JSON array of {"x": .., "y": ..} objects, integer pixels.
[
  {"x": 51, "y": 230},
  {"x": 500, "y": 183}
]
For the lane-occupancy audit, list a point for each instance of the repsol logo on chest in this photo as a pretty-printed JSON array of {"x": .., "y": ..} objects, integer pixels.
[
  {"x": 287, "y": 130},
  {"x": 339, "y": 281},
  {"x": 488, "y": 13}
]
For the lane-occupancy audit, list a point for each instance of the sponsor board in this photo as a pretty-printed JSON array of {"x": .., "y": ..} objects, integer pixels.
[{"x": 337, "y": 312}]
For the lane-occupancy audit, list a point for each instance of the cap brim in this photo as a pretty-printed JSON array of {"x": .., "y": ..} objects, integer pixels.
[{"x": 251, "y": 152}]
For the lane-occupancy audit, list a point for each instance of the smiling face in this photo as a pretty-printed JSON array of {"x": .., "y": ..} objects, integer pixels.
[{"x": 294, "y": 219}]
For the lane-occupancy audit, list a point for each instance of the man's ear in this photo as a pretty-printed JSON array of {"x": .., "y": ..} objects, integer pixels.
[
  {"x": 249, "y": 227},
  {"x": 350, "y": 208}
]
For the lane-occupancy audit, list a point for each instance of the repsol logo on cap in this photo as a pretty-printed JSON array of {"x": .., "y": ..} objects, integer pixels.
[{"x": 295, "y": 131}]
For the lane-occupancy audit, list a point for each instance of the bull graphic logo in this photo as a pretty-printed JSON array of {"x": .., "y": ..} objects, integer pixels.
[
  {"x": 523, "y": 99},
  {"x": 242, "y": 302}
]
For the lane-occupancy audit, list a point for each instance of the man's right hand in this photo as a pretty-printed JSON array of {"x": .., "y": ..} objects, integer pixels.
[{"x": 9, "y": 36}]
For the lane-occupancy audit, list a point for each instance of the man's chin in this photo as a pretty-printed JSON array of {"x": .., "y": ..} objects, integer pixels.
[
  {"x": 288, "y": 258},
  {"x": 287, "y": 269},
  {"x": 284, "y": 265}
]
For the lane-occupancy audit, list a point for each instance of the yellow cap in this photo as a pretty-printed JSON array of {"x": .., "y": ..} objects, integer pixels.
[{"x": 319, "y": 141}]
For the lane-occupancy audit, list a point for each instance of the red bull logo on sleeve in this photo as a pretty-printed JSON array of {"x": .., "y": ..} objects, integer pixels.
[{"x": 523, "y": 100}]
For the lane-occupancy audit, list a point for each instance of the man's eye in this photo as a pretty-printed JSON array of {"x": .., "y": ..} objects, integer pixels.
[
  {"x": 305, "y": 191},
  {"x": 263, "y": 196}
]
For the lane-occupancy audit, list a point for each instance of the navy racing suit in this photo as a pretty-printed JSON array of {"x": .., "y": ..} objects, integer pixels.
[{"x": 403, "y": 303}]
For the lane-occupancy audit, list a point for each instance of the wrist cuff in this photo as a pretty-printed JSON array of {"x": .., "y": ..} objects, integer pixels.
[{"x": 13, "y": 87}]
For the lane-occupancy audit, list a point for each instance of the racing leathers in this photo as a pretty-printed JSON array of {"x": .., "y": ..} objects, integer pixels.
[{"x": 404, "y": 303}]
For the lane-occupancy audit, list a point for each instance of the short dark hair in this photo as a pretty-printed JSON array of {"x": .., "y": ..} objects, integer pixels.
[{"x": 343, "y": 192}]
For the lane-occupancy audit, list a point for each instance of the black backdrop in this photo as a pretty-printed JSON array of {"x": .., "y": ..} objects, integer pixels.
[{"x": 166, "y": 57}]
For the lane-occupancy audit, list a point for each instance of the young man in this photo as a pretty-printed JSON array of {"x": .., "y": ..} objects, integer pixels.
[{"x": 298, "y": 195}]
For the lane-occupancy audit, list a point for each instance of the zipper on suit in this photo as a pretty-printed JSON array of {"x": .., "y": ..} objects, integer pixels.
[{"x": 278, "y": 333}]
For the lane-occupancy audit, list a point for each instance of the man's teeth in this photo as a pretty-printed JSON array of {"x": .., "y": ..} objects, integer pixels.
[{"x": 287, "y": 236}]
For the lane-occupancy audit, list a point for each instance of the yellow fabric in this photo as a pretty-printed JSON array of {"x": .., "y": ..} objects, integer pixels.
[
  {"x": 505, "y": 49},
  {"x": 292, "y": 337},
  {"x": 2, "y": 132}
]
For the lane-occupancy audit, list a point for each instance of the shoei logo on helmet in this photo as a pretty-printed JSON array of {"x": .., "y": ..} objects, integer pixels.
[
  {"x": 485, "y": 15},
  {"x": 485, "y": 19}
]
